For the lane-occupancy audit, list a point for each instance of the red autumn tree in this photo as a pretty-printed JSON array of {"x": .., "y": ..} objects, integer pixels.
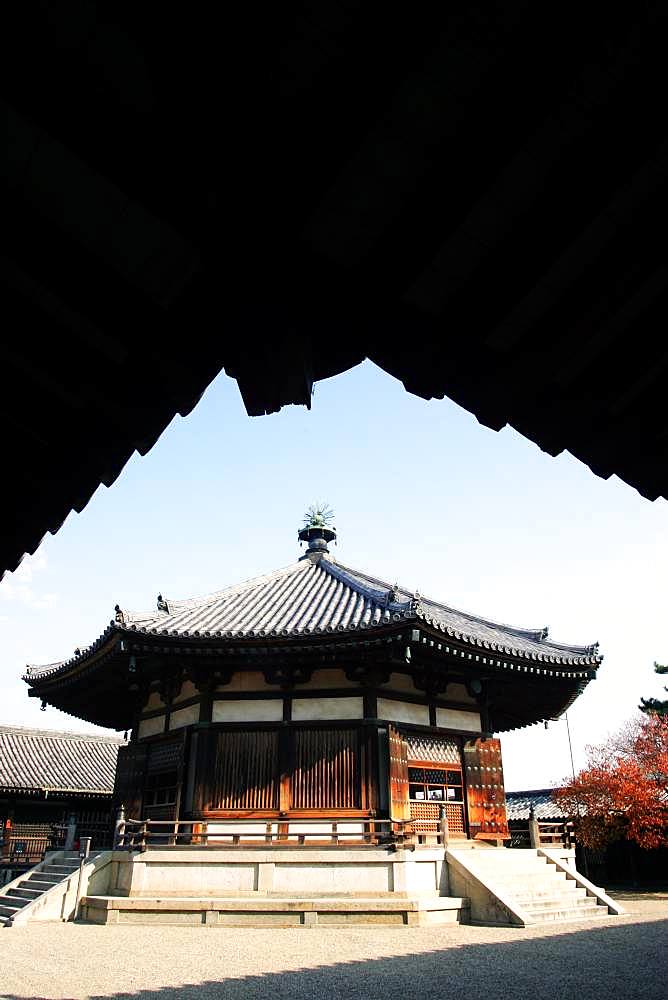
[{"x": 623, "y": 791}]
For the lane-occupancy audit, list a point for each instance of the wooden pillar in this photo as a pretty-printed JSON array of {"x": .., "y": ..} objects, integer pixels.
[{"x": 285, "y": 760}]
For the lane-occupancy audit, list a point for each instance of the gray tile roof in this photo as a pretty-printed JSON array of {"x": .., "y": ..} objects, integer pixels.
[
  {"x": 322, "y": 596},
  {"x": 518, "y": 805},
  {"x": 42, "y": 760}
]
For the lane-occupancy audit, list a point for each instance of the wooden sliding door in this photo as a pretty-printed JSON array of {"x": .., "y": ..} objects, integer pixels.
[
  {"x": 242, "y": 772},
  {"x": 305, "y": 769},
  {"x": 326, "y": 770}
]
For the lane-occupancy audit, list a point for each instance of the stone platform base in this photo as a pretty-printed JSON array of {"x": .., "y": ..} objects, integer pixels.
[
  {"x": 288, "y": 872},
  {"x": 274, "y": 911}
]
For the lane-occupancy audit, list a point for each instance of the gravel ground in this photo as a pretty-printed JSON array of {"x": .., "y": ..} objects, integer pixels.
[{"x": 624, "y": 957}]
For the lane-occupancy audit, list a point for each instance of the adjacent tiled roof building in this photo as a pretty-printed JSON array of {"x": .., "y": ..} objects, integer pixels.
[
  {"x": 42, "y": 761},
  {"x": 518, "y": 805}
]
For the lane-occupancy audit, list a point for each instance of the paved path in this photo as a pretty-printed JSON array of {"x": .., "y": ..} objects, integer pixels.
[{"x": 624, "y": 957}]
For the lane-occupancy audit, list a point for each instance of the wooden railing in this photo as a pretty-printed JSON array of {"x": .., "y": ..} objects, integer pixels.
[
  {"x": 543, "y": 834},
  {"x": 27, "y": 843},
  {"x": 22, "y": 849},
  {"x": 133, "y": 834}
]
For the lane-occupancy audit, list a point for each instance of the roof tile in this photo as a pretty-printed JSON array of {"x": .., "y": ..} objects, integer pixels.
[{"x": 42, "y": 760}]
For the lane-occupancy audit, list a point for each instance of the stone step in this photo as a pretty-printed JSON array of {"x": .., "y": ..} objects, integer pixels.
[
  {"x": 36, "y": 883},
  {"x": 7, "y": 909},
  {"x": 275, "y": 911},
  {"x": 515, "y": 871},
  {"x": 528, "y": 865},
  {"x": 60, "y": 869},
  {"x": 519, "y": 885},
  {"x": 25, "y": 893},
  {"x": 542, "y": 874},
  {"x": 534, "y": 905},
  {"x": 14, "y": 898},
  {"x": 507, "y": 856},
  {"x": 550, "y": 915},
  {"x": 51, "y": 877},
  {"x": 535, "y": 895}
]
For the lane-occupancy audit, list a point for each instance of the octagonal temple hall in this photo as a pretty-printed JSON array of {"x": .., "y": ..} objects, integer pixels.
[{"x": 316, "y": 691}]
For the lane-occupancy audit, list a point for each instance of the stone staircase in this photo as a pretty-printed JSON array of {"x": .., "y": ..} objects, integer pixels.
[
  {"x": 32, "y": 885},
  {"x": 525, "y": 887}
]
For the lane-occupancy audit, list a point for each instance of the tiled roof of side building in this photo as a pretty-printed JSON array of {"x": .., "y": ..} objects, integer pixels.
[
  {"x": 518, "y": 805},
  {"x": 312, "y": 597},
  {"x": 35, "y": 761}
]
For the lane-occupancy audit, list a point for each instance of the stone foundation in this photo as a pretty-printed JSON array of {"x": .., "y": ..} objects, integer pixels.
[
  {"x": 303, "y": 871},
  {"x": 275, "y": 912}
]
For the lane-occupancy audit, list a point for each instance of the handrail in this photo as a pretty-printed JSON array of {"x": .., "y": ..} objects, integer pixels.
[
  {"x": 138, "y": 834},
  {"x": 535, "y": 833}
]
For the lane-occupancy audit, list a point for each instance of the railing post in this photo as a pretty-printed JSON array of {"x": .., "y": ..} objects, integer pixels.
[
  {"x": 407, "y": 836},
  {"x": 119, "y": 828},
  {"x": 84, "y": 851},
  {"x": 6, "y": 838},
  {"x": 443, "y": 826},
  {"x": 534, "y": 829},
  {"x": 71, "y": 834}
]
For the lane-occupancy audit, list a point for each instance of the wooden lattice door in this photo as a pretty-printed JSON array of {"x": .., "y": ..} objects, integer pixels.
[
  {"x": 485, "y": 792},
  {"x": 400, "y": 808}
]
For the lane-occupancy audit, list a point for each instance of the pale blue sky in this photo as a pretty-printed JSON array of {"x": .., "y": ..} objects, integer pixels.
[{"x": 423, "y": 494}]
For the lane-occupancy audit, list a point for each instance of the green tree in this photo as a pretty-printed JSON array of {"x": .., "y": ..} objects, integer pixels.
[{"x": 656, "y": 705}]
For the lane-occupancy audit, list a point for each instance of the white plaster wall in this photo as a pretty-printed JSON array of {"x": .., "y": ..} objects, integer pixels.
[
  {"x": 400, "y": 682},
  {"x": 326, "y": 679},
  {"x": 451, "y": 718},
  {"x": 248, "y": 680},
  {"x": 188, "y": 690},
  {"x": 248, "y": 710},
  {"x": 219, "y": 829},
  {"x": 184, "y": 716},
  {"x": 307, "y": 709},
  {"x": 149, "y": 727},
  {"x": 458, "y": 692},
  {"x": 403, "y": 711}
]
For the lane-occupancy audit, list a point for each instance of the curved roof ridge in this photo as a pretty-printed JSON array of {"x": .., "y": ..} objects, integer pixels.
[
  {"x": 39, "y": 667},
  {"x": 529, "y": 633},
  {"x": 377, "y": 592},
  {"x": 174, "y": 606},
  {"x": 532, "y": 634}
]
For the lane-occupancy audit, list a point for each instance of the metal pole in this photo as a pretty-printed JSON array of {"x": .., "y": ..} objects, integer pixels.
[
  {"x": 84, "y": 851},
  {"x": 585, "y": 859},
  {"x": 570, "y": 745}
]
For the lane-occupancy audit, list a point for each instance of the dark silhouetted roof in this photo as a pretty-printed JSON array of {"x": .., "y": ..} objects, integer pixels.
[
  {"x": 475, "y": 200},
  {"x": 38, "y": 761}
]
